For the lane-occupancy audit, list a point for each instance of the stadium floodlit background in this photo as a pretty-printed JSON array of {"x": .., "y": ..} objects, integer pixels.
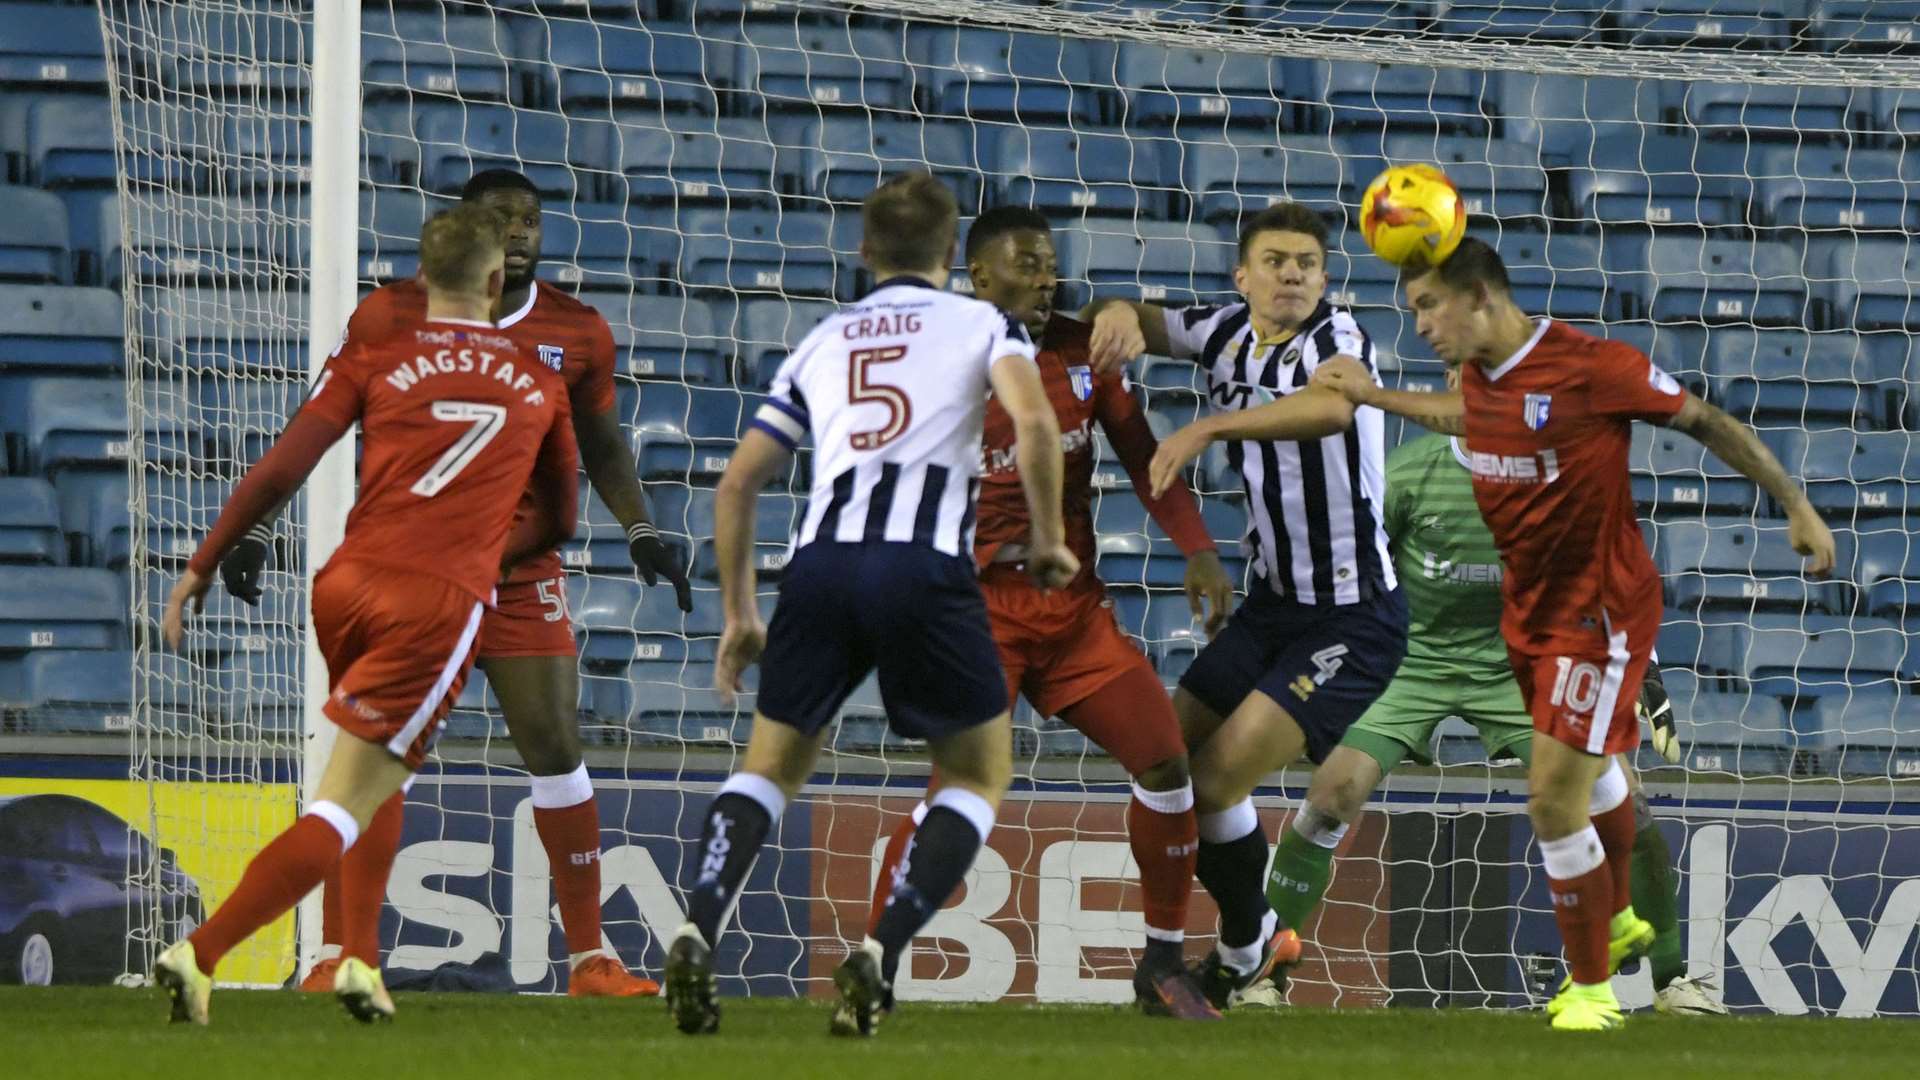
[{"x": 1727, "y": 184}]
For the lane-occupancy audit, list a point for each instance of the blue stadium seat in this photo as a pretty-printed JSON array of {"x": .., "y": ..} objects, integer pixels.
[
  {"x": 768, "y": 330},
  {"x": 33, "y": 237},
  {"x": 1789, "y": 657},
  {"x": 1246, "y": 173},
  {"x": 94, "y": 514},
  {"x": 1356, "y": 277},
  {"x": 591, "y": 247},
  {"x": 814, "y": 66},
  {"x": 1656, "y": 180},
  {"x": 57, "y": 607},
  {"x": 1746, "y": 733},
  {"x": 776, "y": 519},
  {"x": 1499, "y": 179},
  {"x": 1565, "y": 115},
  {"x": 598, "y": 545},
  {"x": 69, "y": 142},
  {"x": 476, "y": 712},
  {"x": 1818, "y": 187},
  {"x": 686, "y": 433},
  {"x": 664, "y": 337},
  {"x": 1854, "y": 473},
  {"x": 1353, "y": 16},
  {"x": 431, "y": 52},
  {"x": 997, "y": 74},
  {"x": 565, "y": 158},
  {"x": 1179, "y": 264},
  {"x": 1769, "y": 112},
  {"x": 1537, "y": 21},
  {"x": 758, "y": 252},
  {"x": 1686, "y": 639},
  {"x": 1729, "y": 563},
  {"x": 179, "y": 515},
  {"x": 390, "y": 224},
  {"x": 1794, "y": 377},
  {"x": 54, "y": 423},
  {"x": 843, "y": 158},
  {"x": 1561, "y": 275},
  {"x": 259, "y": 696},
  {"x": 231, "y": 331},
  {"x": 610, "y": 64},
  {"x": 53, "y": 328},
  {"x": 256, "y": 50},
  {"x": 1690, "y": 279},
  {"x": 1072, "y": 173},
  {"x": 728, "y": 162},
  {"x": 29, "y": 522},
  {"x": 78, "y": 691},
  {"x": 1371, "y": 97},
  {"x": 264, "y": 151},
  {"x": 605, "y": 611},
  {"x": 1887, "y": 571},
  {"x": 1673, "y": 473},
  {"x": 210, "y": 240},
  {"x": 1874, "y": 732},
  {"x": 1163, "y": 86},
  {"x": 1872, "y": 283},
  {"x": 1863, "y": 26},
  {"x": 53, "y": 46},
  {"x": 1740, "y": 24}
]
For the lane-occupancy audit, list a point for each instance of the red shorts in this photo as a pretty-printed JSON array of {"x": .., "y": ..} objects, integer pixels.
[
  {"x": 1585, "y": 697},
  {"x": 528, "y": 618},
  {"x": 398, "y": 648},
  {"x": 1061, "y": 648}
]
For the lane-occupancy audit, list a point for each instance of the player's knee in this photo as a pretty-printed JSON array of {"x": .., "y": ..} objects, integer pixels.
[
  {"x": 1642, "y": 811},
  {"x": 1343, "y": 797},
  {"x": 550, "y": 751},
  {"x": 1167, "y": 775},
  {"x": 1554, "y": 814}
]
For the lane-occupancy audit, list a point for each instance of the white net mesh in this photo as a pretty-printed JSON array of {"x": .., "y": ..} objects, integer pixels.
[{"x": 701, "y": 169}]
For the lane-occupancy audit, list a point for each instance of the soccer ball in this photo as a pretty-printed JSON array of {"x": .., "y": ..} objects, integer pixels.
[{"x": 1411, "y": 215}]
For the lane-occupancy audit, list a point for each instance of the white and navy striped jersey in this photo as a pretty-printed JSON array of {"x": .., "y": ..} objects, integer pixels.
[
  {"x": 1313, "y": 506},
  {"x": 893, "y": 390}
]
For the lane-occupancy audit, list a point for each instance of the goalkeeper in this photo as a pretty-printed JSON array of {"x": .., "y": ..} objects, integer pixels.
[{"x": 1457, "y": 665}]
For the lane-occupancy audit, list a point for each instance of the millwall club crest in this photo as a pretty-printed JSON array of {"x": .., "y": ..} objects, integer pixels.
[
  {"x": 553, "y": 356},
  {"x": 1082, "y": 379},
  {"x": 1536, "y": 413}
]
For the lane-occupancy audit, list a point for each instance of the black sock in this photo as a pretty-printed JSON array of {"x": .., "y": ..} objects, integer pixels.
[
  {"x": 734, "y": 831},
  {"x": 937, "y": 858},
  {"x": 1163, "y": 955},
  {"x": 1231, "y": 873}
]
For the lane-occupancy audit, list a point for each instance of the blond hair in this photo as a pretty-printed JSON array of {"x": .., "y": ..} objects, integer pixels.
[{"x": 459, "y": 246}]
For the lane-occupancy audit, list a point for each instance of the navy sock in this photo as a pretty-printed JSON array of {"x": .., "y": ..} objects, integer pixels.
[
  {"x": 735, "y": 829},
  {"x": 937, "y": 858},
  {"x": 1231, "y": 872}
]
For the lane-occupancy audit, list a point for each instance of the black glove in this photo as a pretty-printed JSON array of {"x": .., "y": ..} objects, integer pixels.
[
  {"x": 242, "y": 567},
  {"x": 655, "y": 560},
  {"x": 1657, "y": 710}
]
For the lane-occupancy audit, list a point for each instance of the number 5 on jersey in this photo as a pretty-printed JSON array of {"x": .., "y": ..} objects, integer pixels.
[
  {"x": 861, "y": 390},
  {"x": 487, "y": 420}
]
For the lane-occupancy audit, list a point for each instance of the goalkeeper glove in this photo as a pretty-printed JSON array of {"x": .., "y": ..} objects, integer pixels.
[
  {"x": 1657, "y": 710},
  {"x": 242, "y": 567},
  {"x": 655, "y": 560}
]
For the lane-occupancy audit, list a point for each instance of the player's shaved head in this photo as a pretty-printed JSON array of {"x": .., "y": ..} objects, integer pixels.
[
  {"x": 1000, "y": 221},
  {"x": 1010, "y": 255},
  {"x": 490, "y": 180},
  {"x": 909, "y": 224},
  {"x": 461, "y": 247}
]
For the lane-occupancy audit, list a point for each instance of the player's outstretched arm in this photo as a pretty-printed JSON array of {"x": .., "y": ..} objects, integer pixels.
[
  {"x": 1735, "y": 443},
  {"x": 1312, "y": 413},
  {"x": 759, "y": 459},
  {"x": 1123, "y": 330},
  {"x": 1445, "y": 413},
  {"x": 610, "y": 469},
  {"x": 1036, "y": 430}
]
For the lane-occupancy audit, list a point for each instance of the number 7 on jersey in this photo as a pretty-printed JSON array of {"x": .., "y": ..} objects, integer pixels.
[{"x": 487, "y": 420}]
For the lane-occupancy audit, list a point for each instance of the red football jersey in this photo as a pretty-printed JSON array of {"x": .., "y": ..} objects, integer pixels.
[
  {"x": 1079, "y": 398},
  {"x": 1547, "y": 434},
  {"x": 552, "y": 328},
  {"x": 453, "y": 418}
]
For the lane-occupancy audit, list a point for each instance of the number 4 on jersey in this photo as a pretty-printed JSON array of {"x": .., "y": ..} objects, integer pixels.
[{"x": 487, "y": 420}]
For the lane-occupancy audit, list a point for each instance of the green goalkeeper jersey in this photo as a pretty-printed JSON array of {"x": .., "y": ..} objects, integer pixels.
[{"x": 1446, "y": 559}]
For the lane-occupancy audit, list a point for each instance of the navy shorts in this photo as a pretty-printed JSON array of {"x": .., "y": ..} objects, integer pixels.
[
  {"x": 1324, "y": 665},
  {"x": 907, "y": 609}
]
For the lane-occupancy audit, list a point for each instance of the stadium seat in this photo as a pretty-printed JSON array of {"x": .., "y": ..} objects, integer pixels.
[
  {"x": 1069, "y": 173},
  {"x": 608, "y": 64},
  {"x": 1790, "y": 657},
  {"x": 57, "y": 607},
  {"x": 54, "y": 328},
  {"x": 768, "y": 330},
  {"x": 1816, "y": 187},
  {"x": 1382, "y": 97},
  {"x": 729, "y": 162},
  {"x": 776, "y": 519},
  {"x": 259, "y": 696},
  {"x": 1871, "y": 283},
  {"x": 591, "y": 247},
  {"x": 390, "y": 224},
  {"x": 1686, "y": 639},
  {"x": 598, "y": 544},
  {"x": 1646, "y": 179},
  {"x": 69, "y": 142},
  {"x": 758, "y": 252},
  {"x": 1175, "y": 264},
  {"x": 1356, "y": 277},
  {"x": 211, "y": 240},
  {"x": 565, "y": 158},
  {"x": 1770, "y": 112},
  {"x": 1497, "y": 179},
  {"x": 29, "y": 522},
  {"x": 1737, "y": 24},
  {"x": 1565, "y": 115},
  {"x": 1674, "y": 473},
  {"x": 1690, "y": 279},
  {"x": 256, "y": 50},
  {"x": 1874, "y": 732},
  {"x": 1745, "y": 733},
  {"x": 1863, "y": 26},
  {"x": 431, "y": 52},
  {"x": 231, "y": 331},
  {"x": 1561, "y": 275},
  {"x": 604, "y": 611},
  {"x": 663, "y": 337},
  {"x": 815, "y": 66},
  {"x": 995, "y": 74},
  {"x": 843, "y": 158},
  {"x": 95, "y": 513},
  {"x": 1794, "y": 378},
  {"x": 686, "y": 433},
  {"x": 33, "y": 237},
  {"x": 52, "y": 46},
  {"x": 1729, "y": 563},
  {"x": 77, "y": 691},
  {"x": 1539, "y": 21},
  {"x": 1247, "y": 172},
  {"x": 1854, "y": 473},
  {"x": 1353, "y": 16},
  {"x": 266, "y": 152},
  {"x": 1189, "y": 88},
  {"x": 56, "y": 423},
  {"x": 1887, "y": 571}
]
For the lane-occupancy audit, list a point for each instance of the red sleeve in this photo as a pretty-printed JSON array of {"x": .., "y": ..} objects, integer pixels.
[
  {"x": 555, "y": 485},
  {"x": 1126, "y": 427},
  {"x": 1623, "y": 382},
  {"x": 376, "y": 316},
  {"x": 594, "y": 395},
  {"x": 338, "y": 394},
  {"x": 278, "y": 473}
]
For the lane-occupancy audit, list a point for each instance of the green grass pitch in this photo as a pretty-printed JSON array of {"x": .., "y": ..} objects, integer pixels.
[{"x": 267, "y": 1035}]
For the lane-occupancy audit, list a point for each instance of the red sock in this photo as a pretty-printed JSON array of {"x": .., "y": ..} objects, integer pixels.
[
  {"x": 1165, "y": 844},
  {"x": 889, "y": 866},
  {"x": 1616, "y": 829},
  {"x": 332, "y": 927},
  {"x": 571, "y": 835},
  {"x": 285, "y": 870},
  {"x": 363, "y": 881},
  {"x": 1582, "y": 901}
]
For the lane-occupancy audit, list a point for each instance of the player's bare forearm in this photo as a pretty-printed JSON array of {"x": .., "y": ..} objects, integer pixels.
[
  {"x": 1312, "y": 413},
  {"x": 1444, "y": 412},
  {"x": 1153, "y": 321},
  {"x": 1736, "y": 444},
  {"x": 1041, "y": 465},
  {"x": 609, "y": 466},
  {"x": 756, "y": 462}
]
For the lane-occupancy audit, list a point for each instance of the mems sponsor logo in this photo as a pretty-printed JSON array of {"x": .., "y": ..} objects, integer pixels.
[{"x": 1515, "y": 468}]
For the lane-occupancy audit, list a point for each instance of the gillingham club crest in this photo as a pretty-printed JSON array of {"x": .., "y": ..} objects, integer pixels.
[
  {"x": 1536, "y": 410},
  {"x": 553, "y": 356},
  {"x": 1082, "y": 380}
]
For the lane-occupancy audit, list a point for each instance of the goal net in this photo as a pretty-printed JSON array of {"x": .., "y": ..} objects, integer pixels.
[{"x": 701, "y": 168}]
